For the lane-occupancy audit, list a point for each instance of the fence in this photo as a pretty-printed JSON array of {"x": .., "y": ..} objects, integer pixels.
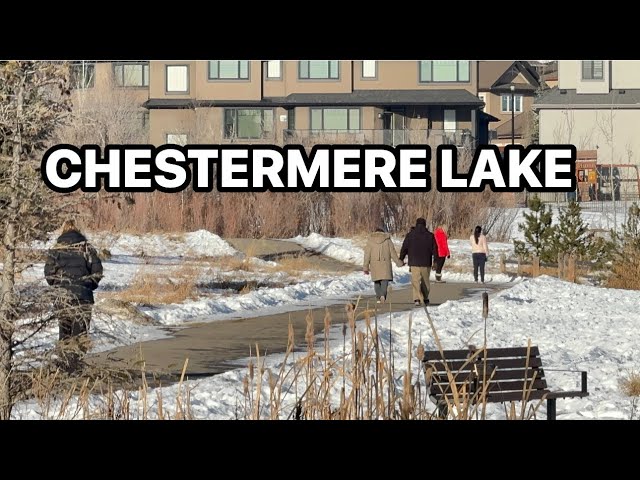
[{"x": 565, "y": 269}]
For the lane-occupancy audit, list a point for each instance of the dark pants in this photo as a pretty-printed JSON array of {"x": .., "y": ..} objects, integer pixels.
[
  {"x": 439, "y": 263},
  {"x": 479, "y": 259},
  {"x": 380, "y": 287},
  {"x": 74, "y": 320}
]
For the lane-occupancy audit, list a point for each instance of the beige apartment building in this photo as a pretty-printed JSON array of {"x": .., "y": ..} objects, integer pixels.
[
  {"x": 117, "y": 90},
  {"x": 596, "y": 107},
  {"x": 308, "y": 101}
]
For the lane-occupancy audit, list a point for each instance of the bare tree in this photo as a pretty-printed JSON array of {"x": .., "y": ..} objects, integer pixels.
[
  {"x": 34, "y": 100},
  {"x": 605, "y": 122},
  {"x": 35, "y": 108},
  {"x": 563, "y": 132}
]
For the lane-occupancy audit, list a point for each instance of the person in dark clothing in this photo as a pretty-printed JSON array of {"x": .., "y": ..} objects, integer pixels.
[
  {"x": 73, "y": 266},
  {"x": 419, "y": 245}
]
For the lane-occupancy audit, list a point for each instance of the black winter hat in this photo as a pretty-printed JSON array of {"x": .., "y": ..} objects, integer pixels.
[{"x": 421, "y": 221}]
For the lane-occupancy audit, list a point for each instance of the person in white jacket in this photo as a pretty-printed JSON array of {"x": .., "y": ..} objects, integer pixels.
[{"x": 479, "y": 252}]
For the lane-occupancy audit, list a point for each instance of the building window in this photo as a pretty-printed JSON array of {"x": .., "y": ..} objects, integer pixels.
[
  {"x": 274, "y": 69},
  {"x": 369, "y": 68},
  {"x": 318, "y": 69},
  {"x": 247, "y": 123},
  {"x": 83, "y": 75},
  {"x": 506, "y": 103},
  {"x": 177, "y": 78},
  {"x": 592, "y": 69},
  {"x": 450, "y": 124},
  {"x": 335, "y": 119},
  {"x": 177, "y": 139},
  {"x": 483, "y": 98},
  {"x": 445, "y": 70},
  {"x": 131, "y": 74},
  {"x": 228, "y": 69}
]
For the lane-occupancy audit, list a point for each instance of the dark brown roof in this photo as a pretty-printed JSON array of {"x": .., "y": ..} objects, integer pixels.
[
  {"x": 453, "y": 97},
  {"x": 490, "y": 71},
  {"x": 459, "y": 97},
  {"x": 502, "y": 74}
]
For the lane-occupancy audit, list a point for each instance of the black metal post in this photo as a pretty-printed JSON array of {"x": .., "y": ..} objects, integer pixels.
[
  {"x": 551, "y": 409},
  {"x": 584, "y": 382}
]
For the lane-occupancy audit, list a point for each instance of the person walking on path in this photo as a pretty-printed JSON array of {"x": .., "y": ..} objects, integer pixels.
[
  {"x": 378, "y": 254},
  {"x": 73, "y": 265},
  {"x": 442, "y": 250},
  {"x": 419, "y": 245},
  {"x": 479, "y": 252}
]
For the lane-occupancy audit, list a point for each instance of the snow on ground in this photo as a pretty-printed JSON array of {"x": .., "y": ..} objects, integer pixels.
[
  {"x": 267, "y": 301},
  {"x": 576, "y": 327},
  {"x": 351, "y": 251},
  {"x": 165, "y": 255},
  {"x": 200, "y": 243}
]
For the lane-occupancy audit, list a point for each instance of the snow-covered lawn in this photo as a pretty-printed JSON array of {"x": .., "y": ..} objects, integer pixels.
[
  {"x": 166, "y": 256},
  {"x": 579, "y": 327},
  {"x": 576, "y": 327}
]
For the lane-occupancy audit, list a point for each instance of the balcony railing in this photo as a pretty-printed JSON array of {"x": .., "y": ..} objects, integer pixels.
[{"x": 459, "y": 138}]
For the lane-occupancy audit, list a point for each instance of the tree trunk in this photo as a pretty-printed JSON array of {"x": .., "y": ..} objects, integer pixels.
[{"x": 7, "y": 292}]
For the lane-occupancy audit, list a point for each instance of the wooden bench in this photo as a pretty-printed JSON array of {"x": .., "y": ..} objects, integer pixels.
[{"x": 512, "y": 374}]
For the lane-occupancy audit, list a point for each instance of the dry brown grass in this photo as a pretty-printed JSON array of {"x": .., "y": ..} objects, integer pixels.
[
  {"x": 630, "y": 387},
  {"x": 625, "y": 272},
  {"x": 364, "y": 377},
  {"x": 94, "y": 395},
  {"x": 630, "y": 384},
  {"x": 284, "y": 215},
  {"x": 295, "y": 265},
  {"x": 156, "y": 288},
  {"x": 232, "y": 263}
]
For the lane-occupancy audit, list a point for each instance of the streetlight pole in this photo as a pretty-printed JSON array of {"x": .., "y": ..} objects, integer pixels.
[
  {"x": 513, "y": 116},
  {"x": 513, "y": 134}
]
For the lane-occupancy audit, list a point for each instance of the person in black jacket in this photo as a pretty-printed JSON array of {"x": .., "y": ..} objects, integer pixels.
[
  {"x": 420, "y": 246},
  {"x": 74, "y": 266}
]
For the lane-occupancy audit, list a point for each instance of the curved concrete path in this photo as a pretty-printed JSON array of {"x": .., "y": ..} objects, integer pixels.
[{"x": 219, "y": 346}]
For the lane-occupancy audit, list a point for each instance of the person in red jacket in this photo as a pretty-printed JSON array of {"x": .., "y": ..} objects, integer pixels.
[{"x": 442, "y": 251}]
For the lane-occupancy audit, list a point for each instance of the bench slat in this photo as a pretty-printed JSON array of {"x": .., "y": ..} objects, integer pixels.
[
  {"x": 499, "y": 397},
  {"x": 504, "y": 363},
  {"x": 491, "y": 353},
  {"x": 505, "y": 386},
  {"x": 519, "y": 374}
]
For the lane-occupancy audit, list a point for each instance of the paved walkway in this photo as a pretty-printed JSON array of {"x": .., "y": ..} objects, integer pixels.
[{"x": 219, "y": 346}]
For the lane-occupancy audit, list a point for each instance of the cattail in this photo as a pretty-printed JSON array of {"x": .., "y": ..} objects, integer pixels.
[
  {"x": 327, "y": 321},
  {"x": 251, "y": 372},
  {"x": 309, "y": 335},
  {"x": 273, "y": 380},
  {"x": 291, "y": 337},
  {"x": 360, "y": 343},
  {"x": 420, "y": 352}
]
